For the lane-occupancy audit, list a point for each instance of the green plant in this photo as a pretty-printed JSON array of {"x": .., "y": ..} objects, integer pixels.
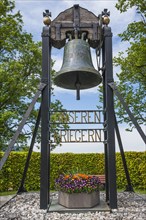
[
  {"x": 77, "y": 183},
  {"x": 64, "y": 163}
]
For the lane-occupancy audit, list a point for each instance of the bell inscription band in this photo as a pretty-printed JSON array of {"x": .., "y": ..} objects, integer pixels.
[{"x": 77, "y": 71}]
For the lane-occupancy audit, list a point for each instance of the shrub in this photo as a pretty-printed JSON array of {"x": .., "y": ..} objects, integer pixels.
[{"x": 63, "y": 163}]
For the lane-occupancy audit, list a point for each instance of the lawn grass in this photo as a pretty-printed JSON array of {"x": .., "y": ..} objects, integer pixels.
[
  {"x": 8, "y": 193},
  {"x": 140, "y": 191},
  {"x": 14, "y": 192}
]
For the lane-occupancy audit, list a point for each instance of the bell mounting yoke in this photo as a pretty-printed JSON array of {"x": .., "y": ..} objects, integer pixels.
[{"x": 75, "y": 21}]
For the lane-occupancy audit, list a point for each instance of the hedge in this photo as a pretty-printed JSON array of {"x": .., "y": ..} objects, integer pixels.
[{"x": 92, "y": 163}]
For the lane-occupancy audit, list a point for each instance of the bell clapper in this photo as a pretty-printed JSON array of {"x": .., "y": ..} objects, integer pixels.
[
  {"x": 76, "y": 33},
  {"x": 78, "y": 90}
]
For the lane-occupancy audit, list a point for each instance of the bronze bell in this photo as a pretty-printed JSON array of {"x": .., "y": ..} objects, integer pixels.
[{"x": 77, "y": 71}]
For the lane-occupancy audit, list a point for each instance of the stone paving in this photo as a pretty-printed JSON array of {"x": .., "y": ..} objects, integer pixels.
[{"x": 26, "y": 206}]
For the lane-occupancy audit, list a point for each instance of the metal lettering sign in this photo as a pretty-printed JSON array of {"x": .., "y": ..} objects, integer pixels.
[
  {"x": 78, "y": 117},
  {"x": 78, "y": 135}
]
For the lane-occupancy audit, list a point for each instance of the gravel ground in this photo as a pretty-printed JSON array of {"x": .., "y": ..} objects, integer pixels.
[{"x": 26, "y": 206}]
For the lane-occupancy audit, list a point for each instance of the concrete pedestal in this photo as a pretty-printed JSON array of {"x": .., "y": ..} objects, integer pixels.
[{"x": 78, "y": 200}]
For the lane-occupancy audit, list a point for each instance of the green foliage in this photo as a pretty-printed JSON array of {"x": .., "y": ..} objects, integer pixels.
[
  {"x": 132, "y": 62},
  {"x": 20, "y": 73},
  {"x": 13, "y": 169},
  {"x": 66, "y": 163},
  {"x": 136, "y": 166},
  {"x": 124, "y": 5},
  {"x": 69, "y": 162}
]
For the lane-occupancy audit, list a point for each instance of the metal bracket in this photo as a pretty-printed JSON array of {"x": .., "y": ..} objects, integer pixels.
[
  {"x": 76, "y": 17},
  {"x": 104, "y": 110},
  {"x": 107, "y": 32},
  {"x": 95, "y": 31},
  {"x": 44, "y": 81},
  {"x": 58, "y": 32},
  {"x": 42, "y": 86},
  {"x": 106, "y": 141},
  {"x": 46, "y": 32},
  {"x": 113, "y": 86}
]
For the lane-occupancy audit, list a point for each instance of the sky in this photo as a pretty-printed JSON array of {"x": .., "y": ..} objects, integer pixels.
[{"x": 32, "y": 12}]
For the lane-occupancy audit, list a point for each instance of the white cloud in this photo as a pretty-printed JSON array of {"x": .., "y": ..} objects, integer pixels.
[
  {"x": 59, "y": 90},
  {"x": 131, "y": 142},
  {"x": 58, "y": 62},
  {"x": 80, "y": 148},
  {"x": 32, "y": 12}
]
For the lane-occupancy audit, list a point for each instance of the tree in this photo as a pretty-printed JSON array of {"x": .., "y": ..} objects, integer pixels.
[
  {"x": 132, "y": 76},
  {"x": 20, "y": 73}
]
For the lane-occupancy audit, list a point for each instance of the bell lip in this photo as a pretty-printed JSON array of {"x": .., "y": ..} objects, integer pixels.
[
  {"x": 63, "y": 87},
  {"x": 97, "y": 80}
]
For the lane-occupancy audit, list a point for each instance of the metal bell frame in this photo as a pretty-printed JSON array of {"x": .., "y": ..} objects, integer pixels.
[
  {"x": 109, "y": 136},
  {"x": 101, "y": 39}
]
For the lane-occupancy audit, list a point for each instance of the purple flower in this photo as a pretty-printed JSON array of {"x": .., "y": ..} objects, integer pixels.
[{"x": 77, "y": 183}]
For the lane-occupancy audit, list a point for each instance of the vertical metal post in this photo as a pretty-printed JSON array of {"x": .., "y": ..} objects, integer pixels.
[
  {"x": 129, "y": 186},
  {"x": 105, "y": 126},
  {"x": 110, "y": 118},
  {"x": 45, "y": 132}
]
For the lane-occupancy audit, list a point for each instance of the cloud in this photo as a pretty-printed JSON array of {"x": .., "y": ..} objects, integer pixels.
[
  {"x": 32, "y": 17},
  {"x": 58, "y": 90},
  {"x": 80, "y": 148},
  {"x": 32, "y": 12},
  {"x": 131, "y": 142},
  {"x": 58, "y": 62}
]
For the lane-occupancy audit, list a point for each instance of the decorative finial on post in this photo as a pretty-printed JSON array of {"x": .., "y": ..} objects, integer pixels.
[
  {"x": 105, "y": 16},
  {"x": 46, "y": 19}
]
